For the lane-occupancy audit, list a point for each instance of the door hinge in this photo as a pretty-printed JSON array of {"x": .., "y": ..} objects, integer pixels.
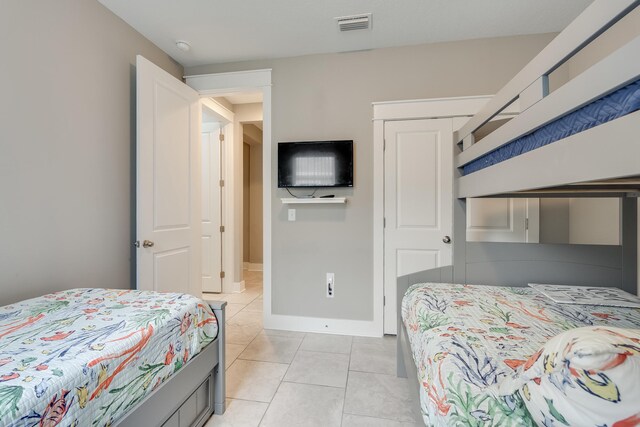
[
  {"x": 526, "y": 223},
  {"x": 222, "y": 183},
  {"x": 384, "y": 222},
  {"x": 221, "y": 137},
  {"x": 222, "y": 228},
  {"x": 384, "y": 144},
  {"x": 222, "y": 274},
  {"x": 384, "y": 300}
]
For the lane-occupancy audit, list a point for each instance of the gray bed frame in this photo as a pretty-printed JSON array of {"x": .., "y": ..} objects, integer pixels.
[
  {"x": 193, "y": 394},
  {"x": 517, "y": 264},
  {"x": 600, "y": 162}
]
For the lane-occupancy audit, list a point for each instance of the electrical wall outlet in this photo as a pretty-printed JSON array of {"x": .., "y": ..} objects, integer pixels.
[
  {"x": 292, "y": 214},
  {"x": 330, "y": 285}
]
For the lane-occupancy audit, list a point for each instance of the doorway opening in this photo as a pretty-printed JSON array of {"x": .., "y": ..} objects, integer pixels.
[{"x": 235, "y": 188}]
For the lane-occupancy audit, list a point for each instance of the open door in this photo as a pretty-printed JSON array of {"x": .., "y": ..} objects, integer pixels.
[
  {"x": 168, "y": 182},
  {"x": 212, "y": 212}
]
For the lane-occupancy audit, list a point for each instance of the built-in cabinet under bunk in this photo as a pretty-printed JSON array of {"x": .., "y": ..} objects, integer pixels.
[{"x": 479, "y": 345}]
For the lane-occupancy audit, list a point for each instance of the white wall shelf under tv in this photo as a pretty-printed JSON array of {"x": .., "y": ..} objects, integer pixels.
[{"x": 313, "y": 200}]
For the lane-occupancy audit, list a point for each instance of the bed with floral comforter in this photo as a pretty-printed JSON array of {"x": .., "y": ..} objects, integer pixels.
[
  {"x": 84, "y": 357},
  {"x": 465, "y": 338}
]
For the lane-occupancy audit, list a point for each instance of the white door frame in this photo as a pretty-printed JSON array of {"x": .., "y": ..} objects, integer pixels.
[
  {"x": 245, "y": 81},
  {"x": 460, "y": 109}
]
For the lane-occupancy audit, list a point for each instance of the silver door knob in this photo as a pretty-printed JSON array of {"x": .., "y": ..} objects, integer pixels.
[
  {"x": 147, "y": 244},
  {"x": 446, "y": 239}
]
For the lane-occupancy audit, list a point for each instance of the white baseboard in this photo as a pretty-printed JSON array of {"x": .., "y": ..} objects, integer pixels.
[
  {"x": 321, "y": 325},
  {"x": 253, "y": 266},
  {"x": 234, "y": 288}
]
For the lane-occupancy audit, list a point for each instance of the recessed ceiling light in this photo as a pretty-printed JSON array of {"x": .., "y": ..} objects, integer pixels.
[{"x": 183, "y": 45}]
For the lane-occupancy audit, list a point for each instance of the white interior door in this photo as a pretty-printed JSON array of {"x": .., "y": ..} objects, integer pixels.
[
  {"x": 418, "y": 202},
  {"x": 503, "y": 220},
  {"x": 211, "y": 210},
  {"x": 168, "y": 182}
]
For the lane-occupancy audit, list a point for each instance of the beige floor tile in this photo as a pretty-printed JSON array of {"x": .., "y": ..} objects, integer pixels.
[
  {"x": 375, "y": 357},
  {"x": 241, "y": 334},
  {"x": 387, "y": 340},
  {"x": 232, "y": 351},
  {"x": 257, "y": 381},
  {"x": 244, "y": 327},
  {"x": 246, "y": 318},
  {"x": 349, "y": 420},
  {"x": 233, "y": 309},
  {"x": 303, "y": 405},
  {"x": 271, "y": 348},
  {"x": 327, "y": 343},
  {"x": 239, "y": 413},
  {"x": 279, "y": 333},
  {"x": 256, "y": 305},
  {"x": 245, "y": 297},
  {"x": 379, "y": 396},
  {"x": 328, "y": 369}
]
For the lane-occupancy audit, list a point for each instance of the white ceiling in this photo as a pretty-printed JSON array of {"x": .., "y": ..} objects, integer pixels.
[
  {"x": 244, "y": 97},
  {"x": 236, "y": 30}
]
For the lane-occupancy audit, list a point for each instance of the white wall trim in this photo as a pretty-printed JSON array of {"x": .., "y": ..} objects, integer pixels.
[
  {"x": 238, "y": 81},
  {"x": 223, "y": 113},
  {"x": 321, "y": 325},
  {"x": 404, "y": 110},
  {"x": 434, "y": 108},
  {"x": 237, "y": 288},
  {"x": 254, "y": 266}
]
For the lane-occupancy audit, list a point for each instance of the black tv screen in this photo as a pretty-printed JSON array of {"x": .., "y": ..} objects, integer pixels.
[{"x": 315, "y": 164}]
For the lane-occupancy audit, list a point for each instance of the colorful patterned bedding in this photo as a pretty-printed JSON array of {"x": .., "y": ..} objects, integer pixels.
[
  {"x": 84, "y": 357},
  {"x": 465, "y": 338}
]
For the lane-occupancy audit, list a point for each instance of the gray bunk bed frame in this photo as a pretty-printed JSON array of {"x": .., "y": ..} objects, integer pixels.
[
  {"x": 610, "y": 172},
  {"x": 191, "y": 395}
]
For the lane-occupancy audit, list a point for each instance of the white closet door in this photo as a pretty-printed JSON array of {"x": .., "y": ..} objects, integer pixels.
[
  {"x": 168, "y": 187},
  {"x": 418, "y": 199},
  {"x": 503, "y": 220}
]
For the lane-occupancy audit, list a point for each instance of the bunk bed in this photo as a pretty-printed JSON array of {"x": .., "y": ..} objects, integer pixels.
[
  {"x": 465, "y": 331},
  {"x": 97, "y": 357}
]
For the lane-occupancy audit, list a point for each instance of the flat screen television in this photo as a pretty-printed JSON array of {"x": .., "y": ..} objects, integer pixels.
[{"x": 315, "y": 164}]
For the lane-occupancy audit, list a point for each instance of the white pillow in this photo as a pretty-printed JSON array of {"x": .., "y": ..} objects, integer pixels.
[{"x": 582, "y": 377}]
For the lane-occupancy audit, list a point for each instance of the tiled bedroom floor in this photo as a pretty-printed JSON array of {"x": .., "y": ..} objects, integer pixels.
[{"x": 282, "y": 379}]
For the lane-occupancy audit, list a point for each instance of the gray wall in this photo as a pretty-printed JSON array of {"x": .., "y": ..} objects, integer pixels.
[
  {"x": 67, "y": 133},
  {"x": 246, "y": 199},
  {"x": 329, "y": 96},
  {"x": 554, "y": 220},
  {"x": 252, "y": 194},
  {"x": 255, "y": 195}
]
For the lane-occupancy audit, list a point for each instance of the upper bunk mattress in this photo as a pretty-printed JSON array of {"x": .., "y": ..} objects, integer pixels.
[
  {"x": 84, "y": 357},
  {"x": 610, "y": 107},
  {"x": 465, "y": 338}
]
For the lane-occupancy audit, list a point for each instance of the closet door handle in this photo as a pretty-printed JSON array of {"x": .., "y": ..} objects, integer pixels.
[
  {"x": 446, "y": 239},
  {"x": 147, "y": 244}
]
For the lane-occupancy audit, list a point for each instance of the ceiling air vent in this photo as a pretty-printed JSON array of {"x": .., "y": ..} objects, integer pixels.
[{"x": 354, "y": 22}]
